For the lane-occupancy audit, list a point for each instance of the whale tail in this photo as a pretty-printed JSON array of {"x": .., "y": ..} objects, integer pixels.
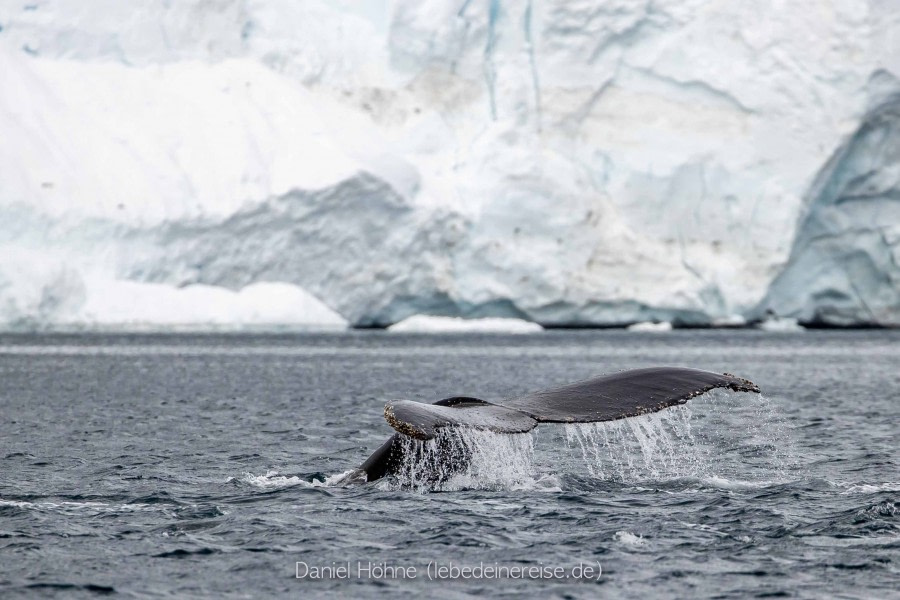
[{"x": 606, "y": 398}]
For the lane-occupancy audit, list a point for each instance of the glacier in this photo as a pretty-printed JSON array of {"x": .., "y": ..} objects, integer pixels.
[
  {"x": 570, "y": 163},
  {"x": 844, "y": 268}
]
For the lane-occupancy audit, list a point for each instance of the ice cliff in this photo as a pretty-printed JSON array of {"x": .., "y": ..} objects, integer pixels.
[
  {"x": 566, "y": 162},
  {"x": 844, "y": 268}
]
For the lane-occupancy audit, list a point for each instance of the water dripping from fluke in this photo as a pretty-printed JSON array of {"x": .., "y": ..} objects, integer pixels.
[
  {"x": 465, "y": 458},
  {"x": 718, "y": 439},
  {"x": 650, "y": 446}
]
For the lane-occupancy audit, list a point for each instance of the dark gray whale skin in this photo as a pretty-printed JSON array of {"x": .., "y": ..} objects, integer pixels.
[
  {"x": 384, "y": 460},
  {"x": 605, "y": 398}
]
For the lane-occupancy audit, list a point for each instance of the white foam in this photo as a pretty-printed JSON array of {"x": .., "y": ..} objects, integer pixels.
[
  {"x": 432, "y": 324},
  {"x": 87, "y": 506},
  {"x": 825, "y": 541},
  {"x": 724, "y": 483},
  {"x": 542, "y": 482},
  {"x": 273, "y": 480},
  {"x": 629, "y": 539},
  {"x": 867, "y": 488}
]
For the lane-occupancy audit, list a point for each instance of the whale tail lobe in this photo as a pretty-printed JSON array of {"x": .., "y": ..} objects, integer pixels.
[{"x": 606, "y": 398}]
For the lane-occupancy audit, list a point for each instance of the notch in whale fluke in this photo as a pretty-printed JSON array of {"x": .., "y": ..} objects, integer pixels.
[{"x": 606, "y": 398}]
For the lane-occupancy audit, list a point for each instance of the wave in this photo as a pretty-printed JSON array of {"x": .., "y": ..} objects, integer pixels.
[
  {"x": 272, "y": 479},
  {"x": 866, "y": 488}
]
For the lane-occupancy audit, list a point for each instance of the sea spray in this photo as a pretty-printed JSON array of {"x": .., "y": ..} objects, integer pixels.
[
  {"x": 716, "y": 435},
  {"x": 658, "y": 445},
  {"x": 466, "y": 458}
]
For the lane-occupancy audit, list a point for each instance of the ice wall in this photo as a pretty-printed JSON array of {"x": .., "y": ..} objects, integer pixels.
[
  {"x": 568, "y": 162},
  {"x": 845, "y": 265}
]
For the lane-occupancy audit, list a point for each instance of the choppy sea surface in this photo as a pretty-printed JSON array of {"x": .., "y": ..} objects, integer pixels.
[{"x": 210, "y": 466}]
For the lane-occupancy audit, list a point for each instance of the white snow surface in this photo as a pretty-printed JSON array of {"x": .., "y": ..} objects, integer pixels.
[
  {"x": 133, "y": 304},
  {"x": 437, "y": 324},
  {"x": 566, "y": 162},
  {"x": 130, "y": 305}
]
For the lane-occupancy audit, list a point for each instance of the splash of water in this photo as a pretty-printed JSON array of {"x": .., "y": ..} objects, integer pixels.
[
  {"x": 656, "y": 445},
  {"x": 629, "y": 539},
  {"x": 719, "y": 437},
  {"x": 466, "y": 458},
  {"x": 274, "y": 480}
]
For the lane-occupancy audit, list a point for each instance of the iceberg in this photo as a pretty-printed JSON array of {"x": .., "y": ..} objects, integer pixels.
[
  {"x": 569, "y": 164},
  {"x": 650, "y": 327},
  {"x": 780, "y": 324},
  {"x": 729, "y": 321},
  {"x": 434, "y": 324}
]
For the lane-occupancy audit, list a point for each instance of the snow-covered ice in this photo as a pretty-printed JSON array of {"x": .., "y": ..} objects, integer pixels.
[
  {"x": 651, "y": 327},
  {"x": 434, "y": 324},
  {"x": 568, "y": 163},
  {"x": 128, "y": 303}
]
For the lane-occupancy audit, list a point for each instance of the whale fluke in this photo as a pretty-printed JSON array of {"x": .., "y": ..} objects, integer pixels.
[
  {"x": 606, "y": 398},
  {"x": 422, "y": 421},
  {"x": 623, "y": 394}
]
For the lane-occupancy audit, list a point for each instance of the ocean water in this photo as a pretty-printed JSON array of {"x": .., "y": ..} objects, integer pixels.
[{"x": 211, "y": 466}]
